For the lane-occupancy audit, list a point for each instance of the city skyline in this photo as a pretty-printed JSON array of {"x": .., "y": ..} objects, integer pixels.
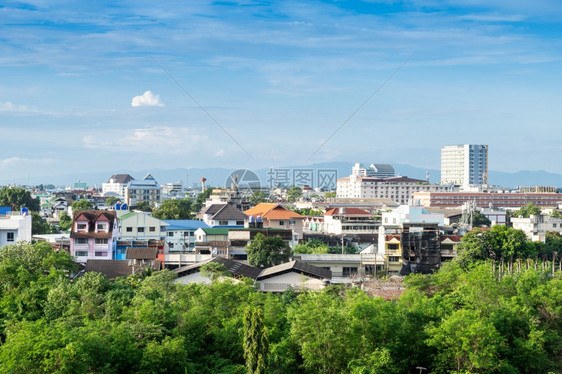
[{"x": 103, "y": 88}]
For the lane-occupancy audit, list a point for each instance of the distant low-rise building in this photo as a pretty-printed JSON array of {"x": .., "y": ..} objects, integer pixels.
[
  {"x": 486, "y": 199},
  {"x": 115, "y": 185},
  {"x": 14, "y": 226},
  {"x": 146, "y": 190},
  {"x": 537, "y": 226}
]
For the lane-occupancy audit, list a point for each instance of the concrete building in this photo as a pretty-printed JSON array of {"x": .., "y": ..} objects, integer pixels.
[
  {"x": 398, "y": 189},
  {"x": 464, "y": 164},
  {"x": 486, "y": 199},
  {"x": 93, "y": 235},
  {"x": 116, "y": 185},
  {"x": 373, "y": 170},
  {"x": 14, "y": 227},
  {"x": 536, "y": 226},
  {"x": 141, "y": 226},
  {"x": 146, "y": 190},
  {"x": 342, "y": 221}
]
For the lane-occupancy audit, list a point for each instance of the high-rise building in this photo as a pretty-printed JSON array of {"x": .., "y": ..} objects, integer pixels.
[
  {"x": 464, "y": 164},
  {"x": 373, "y": 170}
]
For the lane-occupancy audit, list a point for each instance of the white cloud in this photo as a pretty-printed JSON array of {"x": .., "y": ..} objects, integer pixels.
[
  {"x": 9, "y": 107},
  {"x": 147, "y": 99},
  {"x": 219, "y": 153}
]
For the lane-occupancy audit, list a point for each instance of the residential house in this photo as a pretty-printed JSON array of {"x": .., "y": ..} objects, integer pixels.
[
  {"x": 294, "y": 274},
  {"x": 192, "y": 273},
  {"x": 212, "y": 241},
  {"x": 276, "y": 216},
  {"x": 345, "y": 268},
  {"x": 180, "y": 234},
  {"x": 137, "y": 225},
  {"x": 93, "y": 235},
  {"x": 224, "y": 215},
  {"x": 14, "y": 226},
  {"x": 341, "y": 221}
]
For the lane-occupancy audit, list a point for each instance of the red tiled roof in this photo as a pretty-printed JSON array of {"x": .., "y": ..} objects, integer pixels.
[
  {"x": 272, "y": 212},
  {"x": 93, "y": 216},
  {"x": 348, "y": 212}
]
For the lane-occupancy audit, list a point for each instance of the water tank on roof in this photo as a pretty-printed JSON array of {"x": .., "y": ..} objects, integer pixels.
[
  {"x": 258, "y": 219},
  {"x": 252, "y": 219},
  {"x": 124, "y": 207},
  {"x": 118, "y": 206},
  {"x": 24, "y": 211}
]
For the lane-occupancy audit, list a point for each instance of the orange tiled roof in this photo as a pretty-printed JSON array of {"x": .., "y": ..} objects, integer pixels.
[{"x": 272, "y": 212}]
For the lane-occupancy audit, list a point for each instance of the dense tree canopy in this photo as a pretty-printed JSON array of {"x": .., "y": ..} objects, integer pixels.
[
  {"x": 458, "y": 320},
  {"x": 65, "y": 221},
  {"x": 265, "y": 251},
  {"x": 18, "y": 198},
  {"x": 173, "y": 209},
  {"x": 82, "y": 205},
  {"x": 111, "y": 201},
  {"x": 526, "y": 211}
]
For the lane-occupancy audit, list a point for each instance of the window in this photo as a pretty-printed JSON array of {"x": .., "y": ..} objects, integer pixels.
[
  {"x": 292, "y": 222},
  {"x": 223, "y": 223},
  {"x": 170, "y": 233},
  {"x": 152, "y": 229},
  {"x": 80, "y": 226},
  {"x": 171, "y": 245},
  {"x": 129, "y": 229},
  {"x": 81, "y": 253},
  {"x": 140, "y": 229},
  {"x": 393, "y": 258},
  {"x": 10, "y": 237},
  {"x": 393, "y": 246},
  {"x": 347, "y": 271},
  {"x": 281, "y": 223},
  {"x": 101, "y": 254},
  {"x": 81, "y": 241},
  {"x": 239, "y": 223},
  {"x": 101, "y": 226},
  {"x": 101, "y": 241}
]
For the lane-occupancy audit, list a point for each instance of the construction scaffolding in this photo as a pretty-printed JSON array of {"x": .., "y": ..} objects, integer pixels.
[{"x": 421, "y": 248}]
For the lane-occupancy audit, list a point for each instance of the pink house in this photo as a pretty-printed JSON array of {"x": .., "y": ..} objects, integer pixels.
[{"x": 93, "y": 235}]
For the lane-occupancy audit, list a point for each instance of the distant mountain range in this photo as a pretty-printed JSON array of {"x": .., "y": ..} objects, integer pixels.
[{"x": 218, "y": 177}]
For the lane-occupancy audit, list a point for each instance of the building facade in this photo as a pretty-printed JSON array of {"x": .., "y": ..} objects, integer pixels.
[
  {"x": 487, "y": 199},
  {"x": 146, "y": 190},
  {"x": 93, "y": 235},
  {"x": 398, "y": 189},
  {"x": 14, "y": 227},
  {"x": 373, "y": 170},
  {"x": 464, "y": 164},
  {"x": 116, "y": 185}
]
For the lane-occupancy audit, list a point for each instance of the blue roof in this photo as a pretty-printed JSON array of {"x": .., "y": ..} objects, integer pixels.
[{"x": 185, "y": 224}]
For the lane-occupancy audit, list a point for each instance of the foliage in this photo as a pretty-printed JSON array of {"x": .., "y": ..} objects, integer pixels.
[
  {"x": 256, "y": 344},
  {"x": 257, "y": 197},
  {"x": 499, "y": 242},
  {"x": 82, "y": 205},
  {"x": 457, "y": 320},
  {"x": 556, "y": 214},
  {"x": 526, "y": 211},
  {"x": 39, "y": 225},
  {"x": 174, "y": 209},
  {"x": 328, "y": 195},
  {"x": 111, "y": 201},
  {"x": 294, "y": 193},
  {"x": 479, "y": 220},
  {"x": 214, "y": 270},
  {"x": 65, "y": 221},
  {"x": 18, "y": 198},
  {"x": 143, "y": 206},
  {"x": 200, "y": 201},
  {"x": 267, "y": 251},
  {"x": 309, "y": 212},
  {"x": 312, "y": 246}
]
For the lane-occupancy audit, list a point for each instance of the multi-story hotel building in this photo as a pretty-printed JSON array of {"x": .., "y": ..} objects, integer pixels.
[{"x": 464, "y": 164}]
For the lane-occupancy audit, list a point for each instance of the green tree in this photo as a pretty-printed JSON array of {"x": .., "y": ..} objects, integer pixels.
[
  {"x": 143, "y": 206},
  {"x": 174, "y": 209},
  {"x": 39, "y": 225},
  {"x": 556, "y": 214},
  {"x": 18, "y": 198},
  {"x": 267, "y": 251},
  {"x": 82, "y": 205},
  {"x": 294, "y": 194},
  {"x": 526, "y": 211},
  {"x": 313, "y": 246},
  {"x": 65, "y": 221},
  {"x": 257, "y": 197},
  {"x": 200, "y": 201},
  {"x": 479, "y": 220},
  {"x": 256, "y": 344},
  {"x": 329, "y": 195},
  {"x": 111, "y": 201},
  {"x": 214, "y": 270}
]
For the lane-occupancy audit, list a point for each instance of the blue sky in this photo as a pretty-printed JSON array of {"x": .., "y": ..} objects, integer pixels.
[{"x": 280, "y": 77}]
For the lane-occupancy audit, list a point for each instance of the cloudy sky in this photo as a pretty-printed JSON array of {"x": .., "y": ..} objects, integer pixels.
[{"x": 144, "y": 84}]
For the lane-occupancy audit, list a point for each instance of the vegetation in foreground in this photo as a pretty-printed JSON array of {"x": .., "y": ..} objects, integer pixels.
[{"x": 463, "y": 319}]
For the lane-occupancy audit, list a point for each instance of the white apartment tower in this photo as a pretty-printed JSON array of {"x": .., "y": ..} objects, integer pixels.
[{"x": 464, "y": 164}]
